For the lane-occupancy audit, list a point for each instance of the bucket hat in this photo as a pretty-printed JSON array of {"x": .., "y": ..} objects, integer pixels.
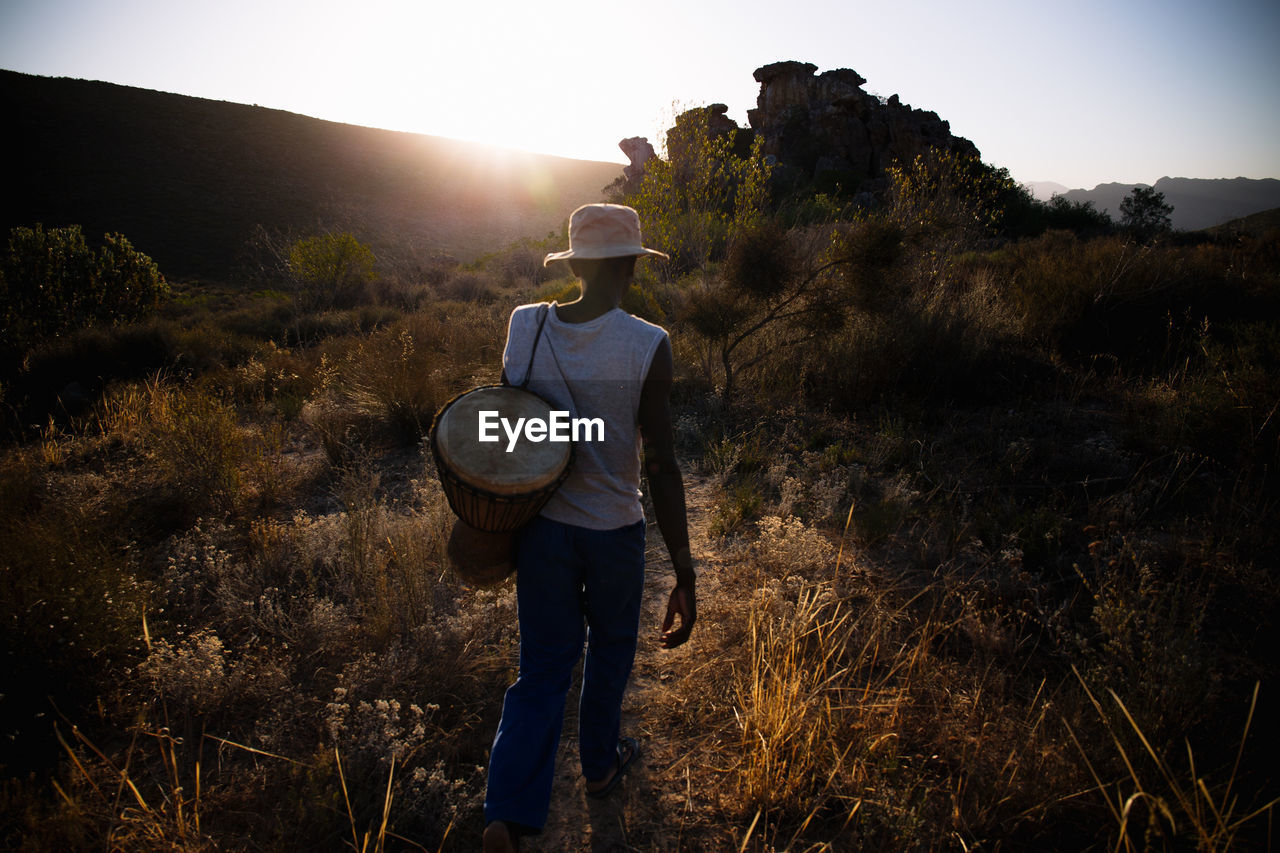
[{"x": 603, "y": 231}]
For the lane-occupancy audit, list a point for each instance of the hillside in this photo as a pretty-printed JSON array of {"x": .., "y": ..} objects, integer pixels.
[
  {"x": 1255, "y": 224},
  {"x": 1197, "y": 203},
  {"x": 188, "y": 179}
]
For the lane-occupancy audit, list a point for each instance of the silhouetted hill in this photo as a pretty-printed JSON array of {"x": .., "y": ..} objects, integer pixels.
[
  {"x": 1255, "y": 224},
  {"x": 1197, "y": 202},
  {"x": 188, "y": 179}
]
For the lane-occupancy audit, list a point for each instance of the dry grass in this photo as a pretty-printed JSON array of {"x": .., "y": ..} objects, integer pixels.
[
  {"x": 268, "y": 649},
  {"x": 1157, "y": 805},
  {"x": 136, "y": 813}
]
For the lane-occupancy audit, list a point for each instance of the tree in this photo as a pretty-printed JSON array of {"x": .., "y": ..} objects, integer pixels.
[{"x": 1144, "y": 212}]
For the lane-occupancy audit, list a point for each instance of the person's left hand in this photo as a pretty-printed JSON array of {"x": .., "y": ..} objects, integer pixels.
[{"x": 683, "y": 602}]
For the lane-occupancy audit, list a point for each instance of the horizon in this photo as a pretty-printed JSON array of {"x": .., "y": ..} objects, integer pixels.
[
  {"x": 1108, "y": 98},
  {"x": 621, "y": 160}
]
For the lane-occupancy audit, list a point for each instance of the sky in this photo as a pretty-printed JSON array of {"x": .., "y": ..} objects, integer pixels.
[{"x": 1081, "y": 93}]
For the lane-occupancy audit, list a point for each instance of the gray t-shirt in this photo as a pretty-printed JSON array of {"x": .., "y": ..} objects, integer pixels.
[{"x": 592, "y": 370}]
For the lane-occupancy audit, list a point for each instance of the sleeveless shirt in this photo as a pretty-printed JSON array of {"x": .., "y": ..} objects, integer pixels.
[{"x": 591, "y": 370}]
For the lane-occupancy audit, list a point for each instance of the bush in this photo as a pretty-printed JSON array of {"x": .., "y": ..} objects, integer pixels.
[
  {"x": 639, "y": 299},
  {"x": 710, "y": 187},
  {"x": 467, "y": 287},
  {"x": 330, "y": 270},
  {"x": 874, "y": 247},
  {"x": 1078, "y": 216},
  {"x": 945, "y": 192},
  {"x": 51, "y": 282},
  {"x": 70, "y": 610}
]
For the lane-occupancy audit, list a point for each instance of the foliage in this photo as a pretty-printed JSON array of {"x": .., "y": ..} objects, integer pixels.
[
  {"x": 873, "y": 248},
  {"x": 693, "y": 203},
  {"x": 1079, "y": 216},
  {"x": 943, "y": 191},
  {"x": 69, "y": 605},
  {"x": 639, "y": 299},
  {"x": 330, "y": 270},
  {"x": 466, "y": 286},
  {"x": 1144, "y": 212},
  {"x": 51, "y": 282},
  {"x": 771, "y": 280},
  {"x": 1140, "y": 303},
  {"x": 519, "y": 263},
  {"x": 390, "y": 383}
]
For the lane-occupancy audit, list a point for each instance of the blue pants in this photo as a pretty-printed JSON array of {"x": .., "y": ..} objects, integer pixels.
[{"x": 566, "y": 575}]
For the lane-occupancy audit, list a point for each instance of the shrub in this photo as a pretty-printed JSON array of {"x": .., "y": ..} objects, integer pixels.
[
  {"x": 51, "y": 281},
  {"x": 1078, "y": 216},
  {"x": 710, "y": 187},
  {"x": 467, "y": 286},
  {"x": 69, "y": 610},
  {"x": 198, "y": 449},
  {"x": 192, "y": 438},
  {"x": 775, "y": 292},
  {"x": 945, "y": 192},
  {"x": 521, "y": 262},
  {"x": 330, "y": 270},
  {"x": 394, "y": 380},
  {"x": 873, "y": 248}
]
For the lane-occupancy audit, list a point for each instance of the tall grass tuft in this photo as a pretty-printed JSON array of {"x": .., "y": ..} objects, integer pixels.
[
  {"x": 1156, "y": 806},
  {"x": 792, "y": 703}
]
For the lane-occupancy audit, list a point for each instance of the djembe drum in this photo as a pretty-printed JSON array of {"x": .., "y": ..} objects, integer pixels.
[{"x": 493, "y": 491}]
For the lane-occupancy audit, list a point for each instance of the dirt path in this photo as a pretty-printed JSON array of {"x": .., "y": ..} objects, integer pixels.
[{"x": 657, "y": 791}]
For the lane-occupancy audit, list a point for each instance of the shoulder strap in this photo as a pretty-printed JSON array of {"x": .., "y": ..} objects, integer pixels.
[{"x": 542, "y": 319}]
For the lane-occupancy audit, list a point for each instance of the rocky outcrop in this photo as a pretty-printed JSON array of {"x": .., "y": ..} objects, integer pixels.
[
  {"x": 712, "y": 120},
  {"x": 827, "y": 124},
  {"x": 639, "y": 152},
  {"x": 815, "y": 127}
]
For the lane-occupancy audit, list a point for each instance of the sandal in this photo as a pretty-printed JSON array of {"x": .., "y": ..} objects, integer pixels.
[{"x": 628, "y": 752}]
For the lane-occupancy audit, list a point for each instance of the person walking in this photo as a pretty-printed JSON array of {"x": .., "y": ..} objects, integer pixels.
[{"x": 580, "y": 563}]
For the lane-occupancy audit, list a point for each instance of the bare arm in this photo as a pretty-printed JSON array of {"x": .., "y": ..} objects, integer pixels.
[{"x": 666, "y": 486}]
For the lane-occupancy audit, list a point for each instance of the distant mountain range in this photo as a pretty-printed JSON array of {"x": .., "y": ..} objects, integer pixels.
[
  {"x": 187, "y": 180},
  {"x": 1045, "y": 190},
  {"x": 1197, "y": 202}
]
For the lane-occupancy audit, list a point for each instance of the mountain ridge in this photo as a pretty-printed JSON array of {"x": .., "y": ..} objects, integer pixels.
[
  {"x": 188, "y": 180},
  {"x": 1197, "y": 202}
]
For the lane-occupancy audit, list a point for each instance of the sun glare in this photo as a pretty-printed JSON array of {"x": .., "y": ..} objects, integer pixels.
[{"x": 510, "y": 76}]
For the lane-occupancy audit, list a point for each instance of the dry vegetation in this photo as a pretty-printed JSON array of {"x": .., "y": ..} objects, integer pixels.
[{"x": 988, "y": 565}]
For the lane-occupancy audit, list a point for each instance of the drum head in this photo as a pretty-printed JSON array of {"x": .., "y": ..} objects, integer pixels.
[{"x": 488, "y": 465}]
